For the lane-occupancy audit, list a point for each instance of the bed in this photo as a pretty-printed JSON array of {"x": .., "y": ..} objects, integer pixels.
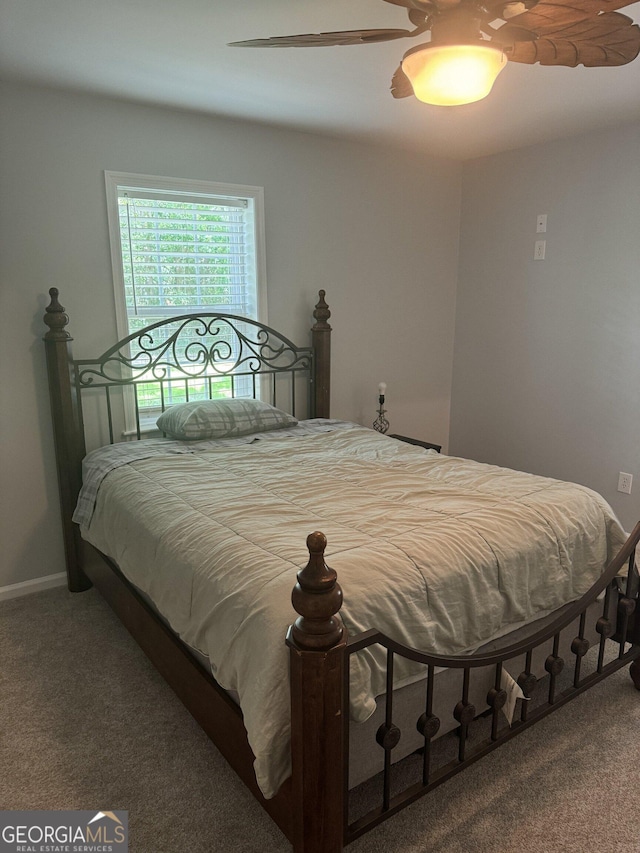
[{"x": 464, "y": 584}]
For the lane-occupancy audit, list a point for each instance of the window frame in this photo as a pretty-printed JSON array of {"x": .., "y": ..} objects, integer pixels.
[{"x": 116, "y": 181}]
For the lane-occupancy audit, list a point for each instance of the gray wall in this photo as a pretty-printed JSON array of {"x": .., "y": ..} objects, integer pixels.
[
  {"x": 547, "y": 353},
  {"x": 376, "y": 228}
]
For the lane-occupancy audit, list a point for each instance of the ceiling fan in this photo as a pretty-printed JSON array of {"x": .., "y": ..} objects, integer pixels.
[{"x": 472, "y": 40}]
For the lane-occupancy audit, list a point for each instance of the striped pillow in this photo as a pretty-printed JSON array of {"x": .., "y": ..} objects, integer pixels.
[{"x": 221, "y": 419}]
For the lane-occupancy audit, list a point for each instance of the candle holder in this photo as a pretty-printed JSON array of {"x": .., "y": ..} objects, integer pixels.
[{"x": 381, "y": 424}]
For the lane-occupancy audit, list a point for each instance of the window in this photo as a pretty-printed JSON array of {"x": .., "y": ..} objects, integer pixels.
[{"x": 181, "y": 247}]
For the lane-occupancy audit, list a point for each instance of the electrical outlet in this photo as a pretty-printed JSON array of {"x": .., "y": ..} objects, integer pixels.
[
  {"x": 624, "y": 483},
  {"x": 541, "y": 223},
  {"x": 539, "y": 250}
]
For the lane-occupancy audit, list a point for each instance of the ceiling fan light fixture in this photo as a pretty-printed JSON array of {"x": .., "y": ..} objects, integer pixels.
[{"x": 448, "y": 75}]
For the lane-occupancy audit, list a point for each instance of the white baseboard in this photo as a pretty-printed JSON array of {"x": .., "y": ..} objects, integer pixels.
[{"x": 15, "y": 590}]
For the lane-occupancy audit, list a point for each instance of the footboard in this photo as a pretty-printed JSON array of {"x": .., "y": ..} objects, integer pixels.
[{"x": 328, "y": 814}]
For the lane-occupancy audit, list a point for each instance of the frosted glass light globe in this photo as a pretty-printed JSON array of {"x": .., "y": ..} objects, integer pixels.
[{"x": 449, "y": 75}]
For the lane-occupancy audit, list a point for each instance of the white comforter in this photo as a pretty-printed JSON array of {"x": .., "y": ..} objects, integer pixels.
[{"x": 438, "y": 552}]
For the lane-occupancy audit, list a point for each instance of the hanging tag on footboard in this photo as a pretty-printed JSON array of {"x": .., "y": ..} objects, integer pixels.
[{"x": 514, "y": 692}]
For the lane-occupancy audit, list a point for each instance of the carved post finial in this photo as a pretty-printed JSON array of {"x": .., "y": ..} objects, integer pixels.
[
  {"x": 321, "y": 313},
  {"x": 317, "y": 597},
  {"x": 56, "y": 319}
]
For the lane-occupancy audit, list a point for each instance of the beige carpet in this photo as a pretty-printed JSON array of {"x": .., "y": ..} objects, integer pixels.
[{"x": 86, "y": 723}]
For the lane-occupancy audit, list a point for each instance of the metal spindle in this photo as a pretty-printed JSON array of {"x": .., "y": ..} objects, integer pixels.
[
  {"x": 388, "y": 735},
  {"x": 78, "y": 389},
  {"x": 293, "y": 393},
  {"x": 386, "y": 797},
  {"x": 496, "y": 706},
  {"x": 554, "y": 665},
  {"x": 109, "y": 414},
  {"x": 273, "y": 389},
  {"x": 527, "y": 673},
  {"x": 186, "y": 390},
  {"x": 162, "y": 406},
  {"x": 137, "y": 410},
  {"x": 346, "y": 752},
  {"x": 428, "y": 726},
  {"x": 253, "y": 378},
  {"x": 233, "y": 385},
  {"x": 579, "y": 647},
  {"x": 464, "y": 713},
  {"x": 630, "y": 574},
  {"x": 626, "y": 605},
  {"x": 604, "y": 627}
]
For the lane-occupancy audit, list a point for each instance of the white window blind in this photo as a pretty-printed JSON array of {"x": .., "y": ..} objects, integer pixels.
[
  {"x": 180, "y": 246},
  {"x": 181, "y": 255}
]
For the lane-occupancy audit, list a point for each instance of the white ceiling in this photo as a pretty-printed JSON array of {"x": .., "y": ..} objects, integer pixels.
[{"x": 176, "y": 54}]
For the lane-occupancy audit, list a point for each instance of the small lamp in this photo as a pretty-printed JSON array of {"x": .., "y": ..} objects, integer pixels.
[
  {"x": 453, "y": 74},
  {"x": 381, "y": 424}
]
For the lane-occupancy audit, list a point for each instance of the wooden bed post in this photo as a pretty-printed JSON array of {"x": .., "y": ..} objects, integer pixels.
[
  {"x": 321, "y": 342},
  {"x": 317, "y": 642},
  {"x": 68, "y": 434}
]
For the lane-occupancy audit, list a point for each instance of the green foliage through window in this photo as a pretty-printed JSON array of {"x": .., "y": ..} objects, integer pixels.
[{"x": 183, "y": 255}]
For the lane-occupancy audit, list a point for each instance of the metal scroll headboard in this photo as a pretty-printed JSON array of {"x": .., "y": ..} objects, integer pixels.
[{"x": 187, "y": 358}]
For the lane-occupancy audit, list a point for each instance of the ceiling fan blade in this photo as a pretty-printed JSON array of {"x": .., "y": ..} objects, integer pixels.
[
  {"x": 400, "y": 84},
  {"x": 604, "y": 40},
  {"x": 327, "y": 39},
  {"x": 426, "y": 6},
  {"x": 592, "y": 6},
  {"x": 549, "y": 16}
]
